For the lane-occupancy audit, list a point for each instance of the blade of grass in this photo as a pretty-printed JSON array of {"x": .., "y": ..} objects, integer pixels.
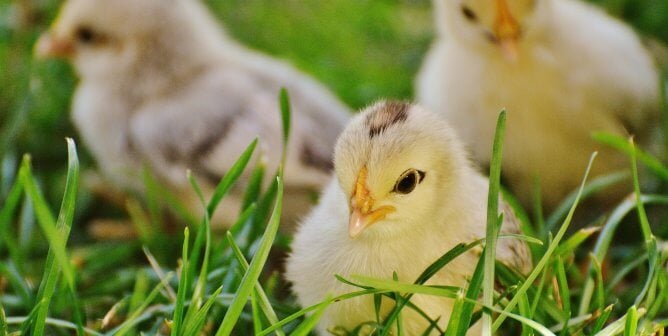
[
  {"x": 284, "y": 100},
  {"x": 231, "y": 177},
  {"x": 525, "y": 310},
  {"x": 200, "y": 286},
  {"x": 195, "y": 324},
  {"x": 631, "y": 322},
  {"x": 616, "y": 327},
  {"x": 562, "y": 281},
  {"x": 591, "y": 188},
  {"x": 461, "y": 317},
  {"x": 436, "y": 266},
  {"x": 650, "y": 240},
  {"x": 569, "y": 246},
  {"x": 394, "y": 286},
  {"x": 8, "y": 211},
  {"x": 177, "y": 318},
  {"x": 57, "y": 234},
  {"x": 255, "y": 312},
  {"x": 310, "y": 322},
  {"x": 3, "y": 321},
  {"x": 493, "y": 222},
  {"x": 251, "y": 276},
  {"x": 53, "y": 322},
  {"x": 11, "y": 273},
  {"x": 264, "y": 302},
  {"x": 605, "y": 238},
  {"x": 548, "y": 253},
  {"x": 316, "y": 306},
  {"x": 132, "y": 320},
  {"x": 622, "y": 144},
  {"x": 600, "y": 321}
]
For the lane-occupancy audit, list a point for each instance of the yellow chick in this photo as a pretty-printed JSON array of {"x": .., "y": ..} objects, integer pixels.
[
  {"x": 404, "y": 194},
  {"x": 162, "y": 85},
  {"x": 561, "y": 68}
]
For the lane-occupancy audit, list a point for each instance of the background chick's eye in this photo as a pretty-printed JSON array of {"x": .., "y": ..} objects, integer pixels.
[
  {"x": 85, "y": 35},
  {"x": 469, "y": 14},
  {"x": 408, "y": 181}
]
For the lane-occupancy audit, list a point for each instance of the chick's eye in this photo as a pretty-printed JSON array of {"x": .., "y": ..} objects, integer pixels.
[
  {"x": 408, "y": 181},
  {"x": 85, "y": 35},
  {"x": 469, "y": 14}
]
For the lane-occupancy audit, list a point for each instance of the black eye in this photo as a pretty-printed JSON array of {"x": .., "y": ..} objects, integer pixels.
[
  {"x": 469, "y": 14},
  {"x": 408, "y": 181},
  {"x": 85, "y": 35}
]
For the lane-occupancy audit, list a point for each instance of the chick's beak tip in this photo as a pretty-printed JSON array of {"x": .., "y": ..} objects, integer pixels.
[
  {"x": 356, "y": 224},
  {"x": 48, "y": 46}
]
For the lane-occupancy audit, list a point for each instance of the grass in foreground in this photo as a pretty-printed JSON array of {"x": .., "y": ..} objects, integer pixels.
[{"x": 225, "y": 285}]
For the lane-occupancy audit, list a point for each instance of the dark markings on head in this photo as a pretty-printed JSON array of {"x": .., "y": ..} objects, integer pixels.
[
  {"x": 388, "y": 114},
  {"x": 310, "y": 156}
]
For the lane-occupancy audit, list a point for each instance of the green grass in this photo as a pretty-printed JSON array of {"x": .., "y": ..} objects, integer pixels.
[{"x": 55, "y": 279}]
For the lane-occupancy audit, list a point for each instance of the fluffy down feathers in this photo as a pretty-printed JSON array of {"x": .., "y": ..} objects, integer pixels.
[
  {"x": 571, "y": 70},
  {"x": 446, "y": 206}
]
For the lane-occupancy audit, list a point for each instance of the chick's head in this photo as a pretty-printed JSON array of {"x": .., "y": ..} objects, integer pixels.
[
  {"x": 399, "y": 165},
  {"x": 107, "y": 37},
  {"x": 491, "y": 25}
]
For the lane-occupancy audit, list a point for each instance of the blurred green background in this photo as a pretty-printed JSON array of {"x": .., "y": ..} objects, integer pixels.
[{"x": 363, "y": 50}]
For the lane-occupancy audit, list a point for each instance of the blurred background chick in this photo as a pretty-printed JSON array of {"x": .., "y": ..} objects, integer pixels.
[
  {"x": 161, "y": 85},
  {"x": 561, "y": 68}
]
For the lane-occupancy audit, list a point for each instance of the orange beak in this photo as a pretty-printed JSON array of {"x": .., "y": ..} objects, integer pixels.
[
  {"x": 362, "y": 214},
  {"x": 49, "y": 46},
  {"x": 506, "y": 30}
]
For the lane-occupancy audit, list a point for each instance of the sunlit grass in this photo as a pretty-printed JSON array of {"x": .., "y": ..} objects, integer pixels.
[{"x": 54, "y": 279}]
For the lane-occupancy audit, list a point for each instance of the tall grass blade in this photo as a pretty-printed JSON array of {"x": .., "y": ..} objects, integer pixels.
[
  {"x": 177, "y": 317},
  {"x": 623, "y": 145},
  {"x": 264, "y": 302},
  {"x": 196, "y": 323},
  {"x": 231, "y": 177},
  {"x": 255, "y": 268},
  {"x": 493, "y": 222},
  {"x": 56, "y": 233},
  {"x": 548, "y": 253},
  {"x": 310, "y": 322},
  {"x": 605, "y": 238}
]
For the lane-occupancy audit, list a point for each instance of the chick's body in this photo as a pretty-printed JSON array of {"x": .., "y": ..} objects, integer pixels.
[
  {"x": 446, "y": 206},
  {"x": 573, "y": 70},
  {"x": 161, "y": 85}
]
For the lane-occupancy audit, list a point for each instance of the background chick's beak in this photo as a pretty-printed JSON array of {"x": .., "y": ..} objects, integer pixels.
[
  {"x": 50, "y": 46},
  {"x": 506, "y": 30},
  {"x": 362, "y": 214}
]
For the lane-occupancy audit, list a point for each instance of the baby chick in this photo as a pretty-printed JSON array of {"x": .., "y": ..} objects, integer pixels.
[
  {"x": 162, "y": 85},
  {"x": 561, "y": 68},
  {"x": 404, "y": 194}
]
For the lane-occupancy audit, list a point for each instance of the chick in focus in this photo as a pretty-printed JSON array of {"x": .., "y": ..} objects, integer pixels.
[
  {"x": 561, "y": 68},
  {"x": 162, "y": 85},
  {"x": 404, "y": 194}
]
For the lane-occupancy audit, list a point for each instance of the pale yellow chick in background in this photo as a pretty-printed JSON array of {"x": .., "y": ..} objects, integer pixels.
[
  {"x": 161, "y": 84},
  {"x": 404, "y": 194},
  {"x": 561, "y": 68}
]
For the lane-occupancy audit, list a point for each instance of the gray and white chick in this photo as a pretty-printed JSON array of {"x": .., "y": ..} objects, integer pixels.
[{"x": 162, "y": 85}]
